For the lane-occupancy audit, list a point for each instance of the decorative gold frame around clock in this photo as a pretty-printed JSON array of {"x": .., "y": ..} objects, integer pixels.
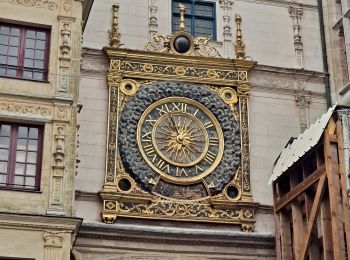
[
  {"x": 130, "y": 69},
  {"x": 127, "y": 71}
]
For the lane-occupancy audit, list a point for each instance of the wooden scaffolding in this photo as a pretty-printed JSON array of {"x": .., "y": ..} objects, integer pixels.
[{"x": 311, "y": 203}]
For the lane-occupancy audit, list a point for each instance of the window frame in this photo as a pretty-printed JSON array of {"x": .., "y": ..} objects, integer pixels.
[
  {"x": 12, "y": 150},
  {"x": 19, "y": 67},
  {"x": 193, "y": 16}
]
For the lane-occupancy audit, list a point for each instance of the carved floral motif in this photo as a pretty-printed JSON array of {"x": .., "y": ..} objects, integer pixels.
[
  {"x": 179, "y": 209},
  {"x": 26, "y": 109},
  {"x": 51, "y": 5}
]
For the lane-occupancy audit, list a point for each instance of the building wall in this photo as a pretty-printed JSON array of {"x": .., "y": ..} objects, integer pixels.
[
  {"x": 53, "y": 104},
  {"x": 288, "y": 92},
  {"x": 268, "y": 35}
]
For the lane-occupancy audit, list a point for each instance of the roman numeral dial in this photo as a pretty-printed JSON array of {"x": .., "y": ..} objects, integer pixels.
[{"x": 180, "y": 139}]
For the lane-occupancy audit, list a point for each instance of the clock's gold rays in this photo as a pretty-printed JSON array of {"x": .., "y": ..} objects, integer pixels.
[{"x": 180, "y": 139}]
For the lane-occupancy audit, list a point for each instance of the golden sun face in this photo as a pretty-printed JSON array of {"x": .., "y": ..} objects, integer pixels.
[{"x": 180, "y": 139}]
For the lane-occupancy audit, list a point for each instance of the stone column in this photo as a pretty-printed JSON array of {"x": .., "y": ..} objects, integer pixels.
[
  {"x": 295, "y": 13},
  {"x": 226, "y": 6},
  {"x": 153, "y": 20}
]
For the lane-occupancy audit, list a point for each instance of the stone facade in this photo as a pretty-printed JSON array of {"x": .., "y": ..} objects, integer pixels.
[
  {"x": 41, "y": 224},
  {"x": 287, "y": 95}
]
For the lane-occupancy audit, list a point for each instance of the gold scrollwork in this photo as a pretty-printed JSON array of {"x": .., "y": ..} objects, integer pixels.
[
  {"x": 212, "y": 73},
  {"x": 170, "y": 70},
  {"x": 178, "y": 210}
]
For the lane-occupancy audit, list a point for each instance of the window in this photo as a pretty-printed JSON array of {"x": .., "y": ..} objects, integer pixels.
[
  {"x": 23, "y": 52},
  {"x": 20, "y": 156},
  {"x": 199, "y": 17}
]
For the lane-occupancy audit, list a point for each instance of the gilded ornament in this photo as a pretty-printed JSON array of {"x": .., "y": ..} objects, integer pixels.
[
  {"x": 215, "y": 198},
  {"x": 164, "y": 122},
  {"x": 148, "y": 67},
  {"x": 239, "y": 47},
  {"x": 195, "y": 73},
  {"x": 212, "y": 73},
  {"x": 180, "y": 139},
  {"x": 114, "y": 34},
  {"x": 129, "y": 87},
  {"x": 229, "y": 95},
  {"x": 180, "y": 70}
]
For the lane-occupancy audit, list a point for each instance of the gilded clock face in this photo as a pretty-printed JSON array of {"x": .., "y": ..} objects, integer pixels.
[{"x": 180, "y": 139}]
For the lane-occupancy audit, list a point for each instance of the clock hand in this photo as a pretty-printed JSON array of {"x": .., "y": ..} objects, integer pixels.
[{"x": 174, "y": 125}]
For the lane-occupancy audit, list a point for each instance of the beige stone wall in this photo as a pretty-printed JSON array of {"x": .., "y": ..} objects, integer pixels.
[
  {"x": 267, "y": 28},
  {"x": 52, "y": 104}
]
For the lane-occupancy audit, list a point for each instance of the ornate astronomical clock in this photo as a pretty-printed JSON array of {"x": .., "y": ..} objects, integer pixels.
[{"x": 178, "y": 141}]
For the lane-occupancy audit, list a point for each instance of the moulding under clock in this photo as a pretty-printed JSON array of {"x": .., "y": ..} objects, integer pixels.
[{"x": 189, "y": 235}]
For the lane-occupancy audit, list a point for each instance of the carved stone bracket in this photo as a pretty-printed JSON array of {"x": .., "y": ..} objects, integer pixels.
[
  {"x": 303, "y": 102},
  {"x": 226, "y": 6},
  {"x": 296, "y": 13},
  {"x": 53, "y": 243}
]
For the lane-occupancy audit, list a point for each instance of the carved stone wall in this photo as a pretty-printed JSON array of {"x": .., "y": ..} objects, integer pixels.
[
  {"x": 226, "y": 6},
  {"x": 296, "y": 13},
  {"x": 53, "y": 105}
]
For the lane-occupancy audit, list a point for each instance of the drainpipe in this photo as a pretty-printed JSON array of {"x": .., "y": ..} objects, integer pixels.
[{"x": 324, "y": 55}]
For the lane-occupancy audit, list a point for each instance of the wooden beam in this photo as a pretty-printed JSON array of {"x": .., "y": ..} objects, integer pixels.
[
  {"x": 334, "y": 198},
  {"x": 277, "y": 225},
  {"x": 313, "y": 212},
  {"x": 298, "y": 228},
  {"x": 286, "y": 239},
  {"x": 326, "y": 228},
  {"x": 300, "y": 188},
  {"x": 343, "y": 186},
  {"x": 314, "y": 247}
]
